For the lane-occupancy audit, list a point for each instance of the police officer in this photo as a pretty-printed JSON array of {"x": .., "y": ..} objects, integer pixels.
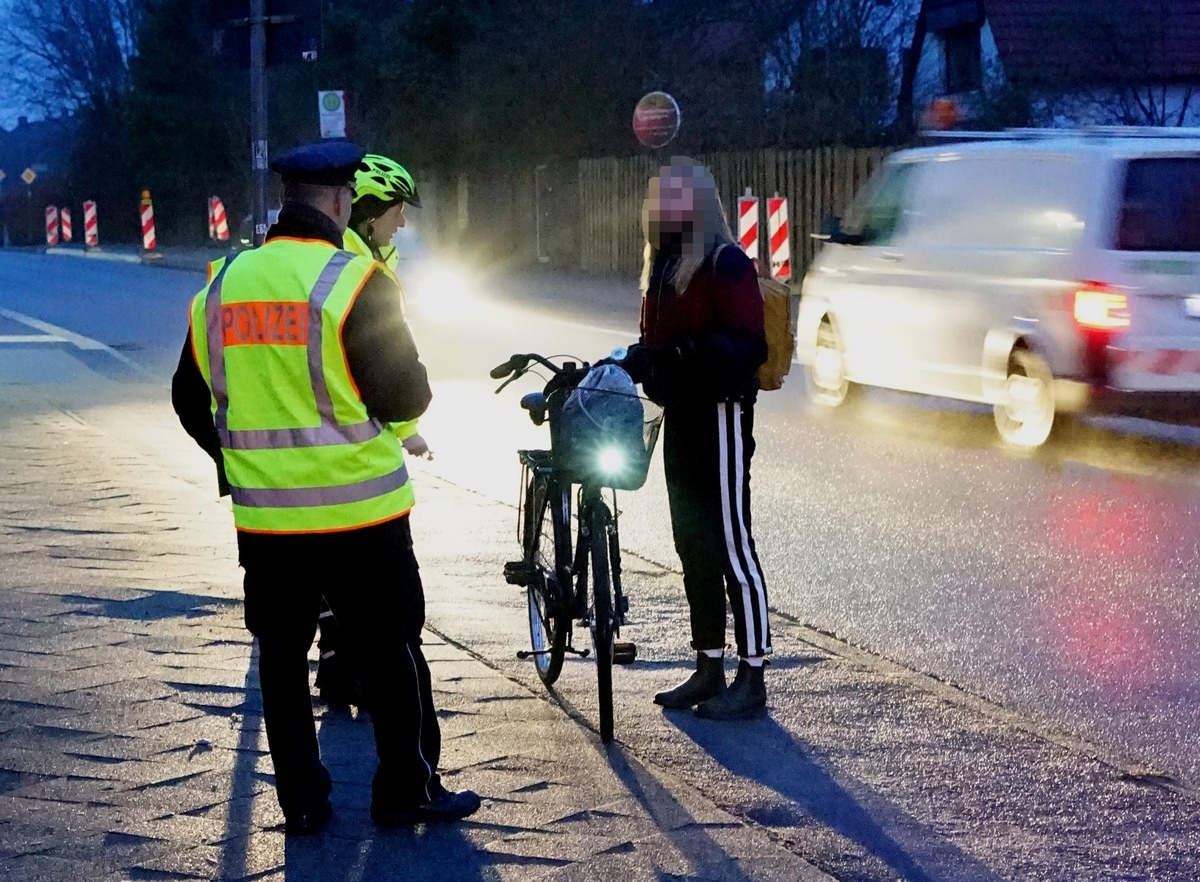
[
  {"x": 382, "y": 188},
  {"x": 297, "y": 354}
]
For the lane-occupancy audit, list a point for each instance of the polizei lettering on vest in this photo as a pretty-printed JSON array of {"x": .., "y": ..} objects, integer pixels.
[{"x": 265, "y": 324}]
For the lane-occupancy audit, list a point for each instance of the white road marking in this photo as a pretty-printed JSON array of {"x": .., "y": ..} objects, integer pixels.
[
  {"x": 29, "y": 338},
  {"x": 76, "y": 340}
]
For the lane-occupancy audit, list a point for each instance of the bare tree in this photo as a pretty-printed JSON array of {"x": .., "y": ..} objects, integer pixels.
[
  {"x": 830, "y": 71},
  {"x": 68, "y": 55},
  {"x": 1155, "y": 91},
  {"x": 1111, "y": 63}
]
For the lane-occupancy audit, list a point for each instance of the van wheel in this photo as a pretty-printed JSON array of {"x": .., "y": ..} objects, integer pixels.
[
  {"x": 1025, "y": 417},
  {"x": 826, "y": 376}
]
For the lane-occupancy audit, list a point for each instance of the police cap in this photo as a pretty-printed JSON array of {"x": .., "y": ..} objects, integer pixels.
[{"x": 326, "y": 163}]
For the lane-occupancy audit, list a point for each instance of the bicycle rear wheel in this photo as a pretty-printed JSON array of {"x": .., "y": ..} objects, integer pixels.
[
  {"x": 602, "y": 613},
  {"x": 548, "y": 619}
]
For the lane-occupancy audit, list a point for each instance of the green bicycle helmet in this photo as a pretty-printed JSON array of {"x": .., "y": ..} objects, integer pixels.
[{"x": 386, "y": 180}]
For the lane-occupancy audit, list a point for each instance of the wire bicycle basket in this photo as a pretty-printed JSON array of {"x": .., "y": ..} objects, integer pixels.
[{"x": 607, "y": 439}]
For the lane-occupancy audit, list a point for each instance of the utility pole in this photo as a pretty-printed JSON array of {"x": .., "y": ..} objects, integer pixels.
[
  {"x": 291, "y": 19},
  {"x": 258, "y": 116}
]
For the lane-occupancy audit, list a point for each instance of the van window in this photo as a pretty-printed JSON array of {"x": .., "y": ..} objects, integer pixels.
[
  {"x": 1160, "y": 209},
  {"x": 1010, "y": 201},
  {"x": 875, "y": 220}
]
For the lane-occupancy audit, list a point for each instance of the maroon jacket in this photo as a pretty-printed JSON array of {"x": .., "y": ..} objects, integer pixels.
[{"x": 709, "y": 341}]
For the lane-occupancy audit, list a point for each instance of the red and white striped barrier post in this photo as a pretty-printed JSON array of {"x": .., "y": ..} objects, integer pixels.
[
  {"x": 149, "y": 243},
  {"x": 51, "y": 225},
  {"x": 780, "y": 238},
  {"x": 91, "y": 230},
  {"x": 220, "y": 221},
  {"x": 212, "y": 228},
  {"x": 748, "y": 225},
  {"x": 65, "y": 216}
]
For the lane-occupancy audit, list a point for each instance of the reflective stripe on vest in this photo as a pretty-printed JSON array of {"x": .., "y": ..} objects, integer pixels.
[
  {"x": 303, "y": 497},
  {"x": 295, "y": 436},
  {"x": 329, "y": 431}
]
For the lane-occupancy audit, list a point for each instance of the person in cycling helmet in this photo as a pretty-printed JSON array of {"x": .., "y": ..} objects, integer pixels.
[{"x": 382, "y": 189}]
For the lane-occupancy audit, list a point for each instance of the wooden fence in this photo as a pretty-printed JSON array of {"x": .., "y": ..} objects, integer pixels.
[
  {"x": 819, "y": 183},
  {"x": 586, "y": 215}
]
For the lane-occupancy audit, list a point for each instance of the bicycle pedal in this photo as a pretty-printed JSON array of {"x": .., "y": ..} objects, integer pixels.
[
  {"x": 517, "y": 572},
  {"x": 624, "y": 653}
]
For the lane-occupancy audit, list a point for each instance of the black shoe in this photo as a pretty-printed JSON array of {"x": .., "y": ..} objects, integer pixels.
[
  {"x": 448, "y": 805},
  {"x": 707, "y": 681},
  {"x": 339, "y": 696},
  {"x": 745, "y": 699},
  {"x": 309, "y": 822}
]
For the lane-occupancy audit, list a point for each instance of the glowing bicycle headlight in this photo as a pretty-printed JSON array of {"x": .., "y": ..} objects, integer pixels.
[{"x": 612, "y": 461}]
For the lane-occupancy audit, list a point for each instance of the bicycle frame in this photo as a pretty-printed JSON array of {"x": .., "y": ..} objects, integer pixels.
[{"x": 589, "y": 498}]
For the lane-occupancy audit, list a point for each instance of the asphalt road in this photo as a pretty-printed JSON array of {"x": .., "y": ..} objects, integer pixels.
[
  {"x": 1062, "y": 585},
  {"x": 1059, "y": 586}
]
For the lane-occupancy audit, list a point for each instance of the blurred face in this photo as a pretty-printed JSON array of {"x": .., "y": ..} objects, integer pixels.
[
  {"x": 670, "y": 202},
  {"x": 388, "y": 222}
]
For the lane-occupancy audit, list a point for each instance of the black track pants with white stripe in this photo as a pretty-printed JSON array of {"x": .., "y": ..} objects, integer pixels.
[{"x": 707, "y": 450}]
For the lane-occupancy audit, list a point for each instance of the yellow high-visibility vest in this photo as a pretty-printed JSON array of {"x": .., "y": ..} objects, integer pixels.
[
  {"x": 302, "y": 455},
  {"x": 351, "y": 241}
]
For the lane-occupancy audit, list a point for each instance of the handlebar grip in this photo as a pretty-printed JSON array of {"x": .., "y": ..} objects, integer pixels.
[{"x": 501, "y": 371}]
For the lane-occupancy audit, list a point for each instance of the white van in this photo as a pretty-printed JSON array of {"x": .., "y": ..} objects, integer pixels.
[{"x": 1040, "y": 272}]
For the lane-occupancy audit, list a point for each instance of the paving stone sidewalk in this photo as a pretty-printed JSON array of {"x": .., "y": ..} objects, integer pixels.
[{"x": 131, "y": 740}]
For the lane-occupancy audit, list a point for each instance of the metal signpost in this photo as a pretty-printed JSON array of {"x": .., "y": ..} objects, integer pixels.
[{"x": 29, "y": 176}]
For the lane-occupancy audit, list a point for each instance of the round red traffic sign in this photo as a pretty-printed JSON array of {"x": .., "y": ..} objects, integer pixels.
[{"x": 656, "y": 119}]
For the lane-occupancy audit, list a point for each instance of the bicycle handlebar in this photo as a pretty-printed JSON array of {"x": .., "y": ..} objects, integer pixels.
[
  {"x": 518, "y": 363},
  {"x": 501, "y": 371}
]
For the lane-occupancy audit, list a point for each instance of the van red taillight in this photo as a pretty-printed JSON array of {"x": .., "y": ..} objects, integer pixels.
[{"x": 1100, "y": 309}]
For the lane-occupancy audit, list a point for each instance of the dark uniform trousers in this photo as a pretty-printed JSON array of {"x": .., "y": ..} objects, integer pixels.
[
  {"x": 707, "y": 448},
  {"x": 370, "y": 579}
]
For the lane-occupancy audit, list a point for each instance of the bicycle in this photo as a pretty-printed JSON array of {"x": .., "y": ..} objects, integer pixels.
[{"x": 554, "y": 569}]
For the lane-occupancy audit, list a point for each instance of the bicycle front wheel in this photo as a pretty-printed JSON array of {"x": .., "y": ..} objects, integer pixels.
[
  {"x": 548, "y": 619},
  {"x": 602, "y": 613}
]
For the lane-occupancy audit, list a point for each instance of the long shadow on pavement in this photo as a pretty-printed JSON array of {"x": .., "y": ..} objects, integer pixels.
[
  {"x": 438, "y": 852},
  {"x": 239, "y": 823},
  {"x": 352, "y": 848},
  {"x": 765, "y": 752},
  {"x": 686, "y": 835},
  {"x": 153, "y": 605}
]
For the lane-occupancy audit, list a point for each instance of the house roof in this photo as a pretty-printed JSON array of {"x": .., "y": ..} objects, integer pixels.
[{"x": 1097, "y": 42}]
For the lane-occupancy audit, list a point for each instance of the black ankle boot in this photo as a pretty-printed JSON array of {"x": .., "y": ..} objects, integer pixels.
[
  {"x": 745, "y": 699},
  {"x": 707, "y": 681}
]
